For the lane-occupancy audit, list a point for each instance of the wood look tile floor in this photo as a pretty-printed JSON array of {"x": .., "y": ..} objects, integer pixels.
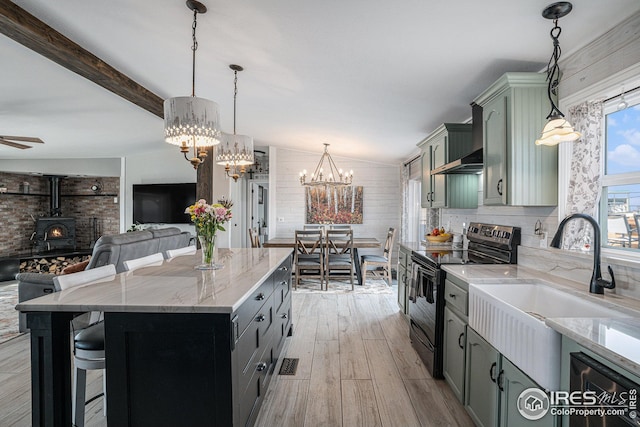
[{"x": 356, "y": 368}]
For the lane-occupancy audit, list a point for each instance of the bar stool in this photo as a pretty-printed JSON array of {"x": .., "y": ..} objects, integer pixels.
[{"x": 88, "y": 343}]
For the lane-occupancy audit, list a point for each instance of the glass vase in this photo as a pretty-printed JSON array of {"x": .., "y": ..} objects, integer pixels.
[{"x": 207, "y": 248}]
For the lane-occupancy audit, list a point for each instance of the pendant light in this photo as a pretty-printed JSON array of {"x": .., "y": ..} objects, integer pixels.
[
  {"x": 331, "y": 176},
  {"x": 557, "y": 129},
  {"x": 235, "y": 151},
  {"x": 190, "y": 122}
]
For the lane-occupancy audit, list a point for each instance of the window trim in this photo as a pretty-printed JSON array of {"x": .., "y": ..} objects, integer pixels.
[{"x": 606, "y": 88}]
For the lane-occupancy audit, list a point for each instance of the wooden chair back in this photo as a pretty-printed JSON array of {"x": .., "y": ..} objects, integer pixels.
[{"x": 254, "y": 238}]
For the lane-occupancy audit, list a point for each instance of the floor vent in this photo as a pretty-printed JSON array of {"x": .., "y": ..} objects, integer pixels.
[{"x": 289, "y": 366}]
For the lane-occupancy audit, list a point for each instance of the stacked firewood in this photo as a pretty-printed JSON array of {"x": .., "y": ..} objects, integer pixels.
[{"x": 50, "y": 265}]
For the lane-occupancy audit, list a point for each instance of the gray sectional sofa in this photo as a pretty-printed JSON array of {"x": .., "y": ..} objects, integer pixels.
[{"x": 113, "y": 249}]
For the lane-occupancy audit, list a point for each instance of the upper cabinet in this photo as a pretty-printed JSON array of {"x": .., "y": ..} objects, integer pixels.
[
  {"x": 516, "y": 171},
  {"x": 448, "y": 142}
]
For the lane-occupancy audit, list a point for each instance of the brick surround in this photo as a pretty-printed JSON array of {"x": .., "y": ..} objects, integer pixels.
[{"x": 77, "y": 201}]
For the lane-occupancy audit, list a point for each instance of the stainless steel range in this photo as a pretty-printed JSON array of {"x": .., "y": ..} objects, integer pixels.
[{"x": 488, "y": 244}]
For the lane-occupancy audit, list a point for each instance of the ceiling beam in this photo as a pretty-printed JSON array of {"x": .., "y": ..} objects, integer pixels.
[{"x": 19, "y": 25}]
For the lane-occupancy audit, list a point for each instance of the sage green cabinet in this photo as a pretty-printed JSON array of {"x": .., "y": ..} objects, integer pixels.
[
  {"x": 511, "y": 382},
  {"x": 454, "y": 352},
  {"x": 516, "y": 171},
  {"x": 448, "y": 142},
  {"x": 493, "y": 386},
  {"x": 404, "y": 278},
  {"x": 481, "y": 397}
]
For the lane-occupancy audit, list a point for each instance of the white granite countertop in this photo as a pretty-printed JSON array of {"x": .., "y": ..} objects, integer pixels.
[
  {"x": 616, "y": 339},
  {"x": 175, "y": 286}
]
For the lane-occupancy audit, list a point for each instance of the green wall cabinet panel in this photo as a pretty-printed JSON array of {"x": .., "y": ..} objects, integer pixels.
[
  {"x": 516, "y": 171},
  {"x": 483, "y": 365},
  {"x": 448, "y": 142},
  {"x": 454, "y": 352},
  {"x": 512, "y": 382}
]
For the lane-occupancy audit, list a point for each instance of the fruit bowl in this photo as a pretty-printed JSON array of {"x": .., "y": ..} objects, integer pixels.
[{"x": 440, "y": 238}]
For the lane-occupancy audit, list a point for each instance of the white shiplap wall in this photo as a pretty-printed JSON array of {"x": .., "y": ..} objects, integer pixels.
[{"x": 382, "y": 194}]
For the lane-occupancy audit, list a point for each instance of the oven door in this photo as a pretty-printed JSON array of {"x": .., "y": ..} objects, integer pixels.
[
  {"x": 588, "y": 374},
  {"x": 424, "y": 314}
]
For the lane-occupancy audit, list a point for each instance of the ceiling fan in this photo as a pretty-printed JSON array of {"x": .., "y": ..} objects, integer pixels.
[{"x": 10, "y": 141}]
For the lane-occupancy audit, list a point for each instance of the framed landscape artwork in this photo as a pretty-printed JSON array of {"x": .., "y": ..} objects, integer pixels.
[{"x": 334, "y": 205}]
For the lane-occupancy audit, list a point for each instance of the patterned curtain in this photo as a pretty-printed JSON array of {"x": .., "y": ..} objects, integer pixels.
[{"x": 586, "y": 178}]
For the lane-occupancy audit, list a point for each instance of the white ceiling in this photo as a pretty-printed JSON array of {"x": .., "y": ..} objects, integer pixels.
[{"x": 372, "y": 78}]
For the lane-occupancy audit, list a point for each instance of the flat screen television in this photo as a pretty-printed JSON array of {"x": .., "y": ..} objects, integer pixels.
[{"x": 162, "y": 203}]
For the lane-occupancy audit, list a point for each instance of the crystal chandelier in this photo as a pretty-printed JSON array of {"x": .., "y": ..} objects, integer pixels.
[
  {"x": 235, "y": 151},
  {"x": 557, "y": 129},
  {"x": 189, "y": 122},
  {"x": 331, "y": 176}
]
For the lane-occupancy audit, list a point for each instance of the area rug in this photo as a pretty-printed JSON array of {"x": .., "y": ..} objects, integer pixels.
[
  {"x": 373, "y": 286},
  {"x": 8, "y": 313}
]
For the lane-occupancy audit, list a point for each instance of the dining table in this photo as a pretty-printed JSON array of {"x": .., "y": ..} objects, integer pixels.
[{"x": 358, "y": 243}]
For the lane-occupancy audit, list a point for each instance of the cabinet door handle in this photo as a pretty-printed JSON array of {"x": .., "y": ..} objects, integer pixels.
[
  {"x": 260, "y": 318},
  {"x": 284, "y": 269},
  {"x": 284, "y": 316},
  {"x": 260, "y": 297},
  {"x": 492, "y": 372},
  {"x": 499, "y": 186},
  {"x": 452, "y": 296},
  {"x": 284, "y": 283},
  {"x": 460, "y": 338},
  {"x": 500, "y": 378},
  {"x": 261, "y": 367}
]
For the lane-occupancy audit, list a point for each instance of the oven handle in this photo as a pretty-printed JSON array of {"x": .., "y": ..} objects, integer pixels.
[{"x": 428, "y": 343}]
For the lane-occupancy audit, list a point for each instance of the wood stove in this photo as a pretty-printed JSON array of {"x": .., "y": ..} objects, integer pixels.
[{"x": 54, "y": 233}]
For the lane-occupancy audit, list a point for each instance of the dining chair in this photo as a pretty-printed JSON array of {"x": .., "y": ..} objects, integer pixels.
[
  {"x": 320, "y": 227},
  {"x": 254, "y": 238},
  {"x": 340, "y": 227},
  {"x": 309, "y": 257},
  {"x": 88, "y": 343},
  {"x": 145, "y": 261},
  {"x": 187, "y": 250},
  {"x": 380, "y": 261},
  {"x": 339, "y": 255}
]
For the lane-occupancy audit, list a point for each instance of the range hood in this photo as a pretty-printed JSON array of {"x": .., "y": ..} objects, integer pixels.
[{"x": 471, "y": 163}]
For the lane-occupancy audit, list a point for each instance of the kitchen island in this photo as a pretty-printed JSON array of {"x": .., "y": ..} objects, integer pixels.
[{"x": 183, "y": 346}]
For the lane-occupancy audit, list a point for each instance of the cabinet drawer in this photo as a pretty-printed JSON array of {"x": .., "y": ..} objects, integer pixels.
[
  {"x": 252, "y": 386},
  {"x": 283, "y": 273},
  {"x": 247, "y": 311},
  {"x": 455, "y": 297},
  {"x": 282, "y": 325},
  {"x": 282, "y": 292},
  {"x": 254, "y": 338}
]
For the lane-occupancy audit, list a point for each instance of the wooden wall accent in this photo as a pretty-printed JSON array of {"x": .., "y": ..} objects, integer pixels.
[
  {"x": 204, "y": 183},
  {"x": 19, "y": 25},
  {"x": 617, "y": 49}
]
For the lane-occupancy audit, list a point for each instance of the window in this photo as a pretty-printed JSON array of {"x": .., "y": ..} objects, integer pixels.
[{"x": 620, "y": 201}]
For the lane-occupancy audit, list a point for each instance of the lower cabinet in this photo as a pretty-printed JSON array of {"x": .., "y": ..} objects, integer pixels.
[
  {"x": 481, "y": 395},
  {"x": 188, "y": 369},
  {"x": 493, "y": 387},
  {"x": 454, "y": 352},
  {"x": 404, "y": 278}
]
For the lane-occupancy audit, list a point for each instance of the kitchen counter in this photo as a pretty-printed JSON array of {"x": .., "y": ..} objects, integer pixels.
[
  {"x": 206, "y": 342},
  {"x": 175, "y": 287},
  {"x": 616, "y": 339}
]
